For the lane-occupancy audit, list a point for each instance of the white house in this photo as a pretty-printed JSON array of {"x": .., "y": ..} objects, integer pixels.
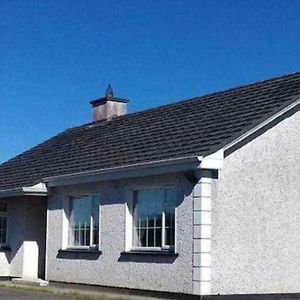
[{"x": 199, "y": 197}]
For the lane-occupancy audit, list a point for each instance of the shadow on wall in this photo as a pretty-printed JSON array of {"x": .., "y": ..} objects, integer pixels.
[
  {"x": 78, "y": 255},
  {"x": 147, "y": 258},
  {"x": 26, "y": 222},
  {"x": 116, "y": 191}
]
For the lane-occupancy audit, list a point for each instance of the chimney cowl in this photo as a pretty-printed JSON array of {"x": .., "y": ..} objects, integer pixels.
[
  {"x": 109, "y": 92},
  {"x": 108, "y": 106}
]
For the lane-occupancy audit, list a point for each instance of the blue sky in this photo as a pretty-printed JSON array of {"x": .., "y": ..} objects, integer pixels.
[{"x": 55, "y": 56}]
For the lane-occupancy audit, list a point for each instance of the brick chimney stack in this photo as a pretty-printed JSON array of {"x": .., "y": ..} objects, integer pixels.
[{"x": 108, "y": 106}]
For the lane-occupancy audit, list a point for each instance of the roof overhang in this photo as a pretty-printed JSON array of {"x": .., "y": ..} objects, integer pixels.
[
  {"x": 36, "y": 190},
  {"x": 183, "y": 164},
  {"x": 135, "y": 170},
  {"x": 294, "y": 106}
]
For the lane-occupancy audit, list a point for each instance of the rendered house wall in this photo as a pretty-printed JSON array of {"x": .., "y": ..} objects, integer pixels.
[
  {"x": 26, "y": 221},
  {"x": 16, "y": 231},
  {"x": 4, "y": 264},
  {"x": 35, "y": 224},
  {"x": 256, "y": 215},
  {"x": 9, "y": 259},
  {"x": 111, "y": 268}
]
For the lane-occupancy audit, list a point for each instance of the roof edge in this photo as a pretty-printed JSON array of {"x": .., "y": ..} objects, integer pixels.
[
  {"x": 24, "y": 191},
  {"x": 129, "y": 171},
  {"x": 263, "y": 124}
]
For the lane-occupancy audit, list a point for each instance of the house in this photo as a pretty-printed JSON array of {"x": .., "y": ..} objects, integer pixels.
[{"x": 198, "y": 197}]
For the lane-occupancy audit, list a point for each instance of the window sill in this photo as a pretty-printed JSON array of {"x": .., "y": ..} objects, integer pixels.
[
  {"x": 80, "y": 250},
  {"x": 151, "y": 252}
]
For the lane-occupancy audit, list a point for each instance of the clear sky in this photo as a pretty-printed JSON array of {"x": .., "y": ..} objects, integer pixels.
[{"x": 57, "y": 55}]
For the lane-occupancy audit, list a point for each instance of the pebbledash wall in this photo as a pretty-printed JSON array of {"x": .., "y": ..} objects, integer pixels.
[
  {"x": 11, "y": 261},
  {"x": 236, "y": 234},
  {"x": 111, "y": 268},
  {"x": 26, "y": 222},
  {"x": 256, "y": 215}
]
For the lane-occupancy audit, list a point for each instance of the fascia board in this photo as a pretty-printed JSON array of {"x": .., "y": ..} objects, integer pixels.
[{"x": 130, "y": 171}]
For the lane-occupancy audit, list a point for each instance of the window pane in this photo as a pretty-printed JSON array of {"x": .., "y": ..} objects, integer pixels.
[
  {"x": 147, "y": 216},
  {"x": 158, "y": 237},
  {"x": 80, "y": 221},
  {"x": 96, "y": 217},
  {"x": 135, "y": 237},
  {"x": 148, "y": 208},
  {"x": 3, "y": 224},
  {"x": 96, "y": 236},
  {"x": 151, "y": 220},
  {"x": 169, "y": 209},
  {"x": 143, "y": 220},
  {"x": 3, "y": 207},
  {"x": 76, "y": 236},
  {"x": 169, "y": 236},
  {"x": 142, "y": 238},
  {"x": 151, "y": 237},
  {"x": 170, "y": 218}
]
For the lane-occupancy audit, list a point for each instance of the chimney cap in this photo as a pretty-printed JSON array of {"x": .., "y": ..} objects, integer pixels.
[{"x": 109, "y": 96}]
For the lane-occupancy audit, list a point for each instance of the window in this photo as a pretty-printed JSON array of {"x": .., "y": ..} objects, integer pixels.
[
  {"x": 154, "y": 218},
  {"x": 3, "y": 223},
  {"x": 84, "y": 221}
]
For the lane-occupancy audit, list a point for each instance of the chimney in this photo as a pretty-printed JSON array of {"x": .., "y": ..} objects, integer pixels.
[{"x": 108, "y": 106}]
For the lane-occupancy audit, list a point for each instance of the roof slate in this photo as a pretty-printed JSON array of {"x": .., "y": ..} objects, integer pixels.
[{"x": 197, "y": 126}]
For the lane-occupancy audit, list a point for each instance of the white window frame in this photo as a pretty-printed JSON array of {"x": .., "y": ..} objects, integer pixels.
[
  {"x": 5, "y": 215},
  {"x": 129, "y": 221},
  {"x": 91, "y": 246}
]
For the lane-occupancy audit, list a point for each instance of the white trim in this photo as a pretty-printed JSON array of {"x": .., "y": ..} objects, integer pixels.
[
  {"x": 129, "y": 219},
  {"x": 214, "y": 161},
  {"x": 181, "y": 164},
  {"x": 163, "y": 226},
  {"x": 66, "y": 221},
  {"x": 99, "y": 246},
  {"x": 202, "y": 225},
  {"x": 47, "y": 242},
  {"x": 175, "y": 228},
  {"x": 35, "y": 190},
  {"x": 263, "y": 124},
  {"x": 92, "y": 230}
]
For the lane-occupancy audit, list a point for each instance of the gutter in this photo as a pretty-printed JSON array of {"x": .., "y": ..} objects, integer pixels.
[
  {"x": 159, "y": 167},
  {"x": 23, "y": 191}
]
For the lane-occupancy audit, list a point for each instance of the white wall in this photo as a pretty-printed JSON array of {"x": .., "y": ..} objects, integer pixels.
[
  {"x": 26, "y": 222},
  {"x": 111, "y": 268},
  {"x": 16, "y": 230},
  {"x": 256, "y": 215},
  {"x": 4, "y": 263}
]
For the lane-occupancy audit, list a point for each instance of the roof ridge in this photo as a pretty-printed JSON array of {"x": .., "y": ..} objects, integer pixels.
[{"x": 195, "y": 98}]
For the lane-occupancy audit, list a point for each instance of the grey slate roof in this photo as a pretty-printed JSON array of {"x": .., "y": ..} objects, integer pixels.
[{"x": 197, "y": 126}]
